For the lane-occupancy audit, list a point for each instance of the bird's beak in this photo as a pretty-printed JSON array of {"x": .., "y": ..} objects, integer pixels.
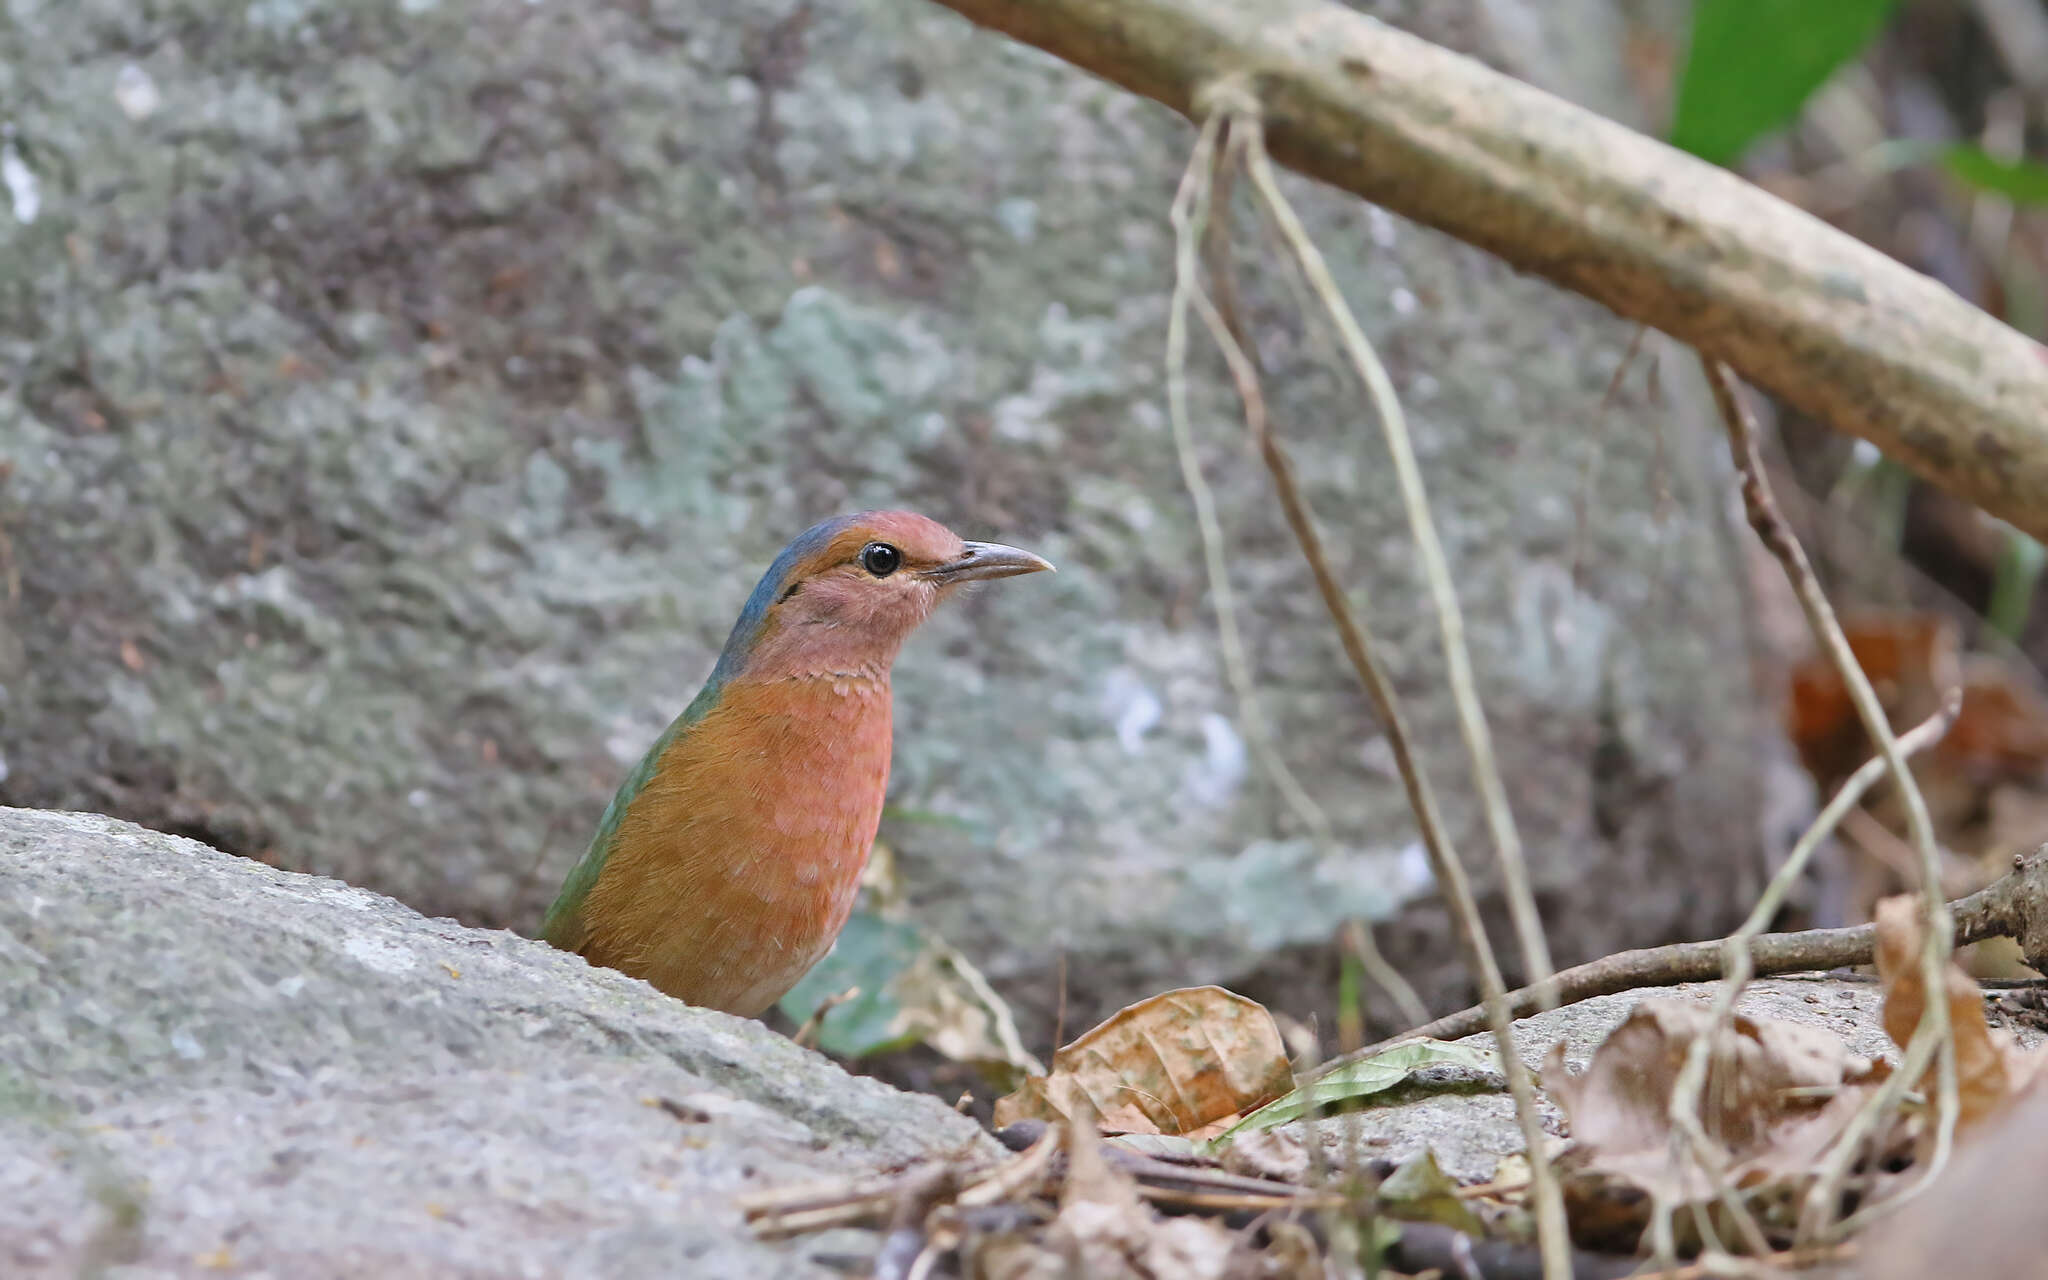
[{"x": 979, "y": 560}]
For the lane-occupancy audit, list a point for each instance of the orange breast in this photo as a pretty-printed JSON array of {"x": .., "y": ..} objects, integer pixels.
[{"x": 737, "y": 864}]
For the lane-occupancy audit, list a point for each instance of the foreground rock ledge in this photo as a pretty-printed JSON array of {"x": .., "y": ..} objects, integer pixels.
[{"x": 208, "y": 1064}]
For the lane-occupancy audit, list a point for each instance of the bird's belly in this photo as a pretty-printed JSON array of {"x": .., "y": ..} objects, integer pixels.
[
  {"x": 744, "y": 862},
  {"x": 754, "y": 936}
]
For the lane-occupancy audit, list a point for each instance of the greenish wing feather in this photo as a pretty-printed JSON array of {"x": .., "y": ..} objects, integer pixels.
[{"x": 563, "y": 925}]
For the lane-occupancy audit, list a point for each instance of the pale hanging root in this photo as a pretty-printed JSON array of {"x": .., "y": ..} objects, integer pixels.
[
  {"x": 1933, "y": 1038},
  {"x": 1191, "y": 222},
  {"x": 1190, "y": 216},
  {"x": 1232, "y": 101},
  {"x": 1472, "y": 727}
]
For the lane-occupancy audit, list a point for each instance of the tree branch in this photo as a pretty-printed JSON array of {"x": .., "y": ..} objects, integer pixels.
[
  {"x": 1859, "y": 341},
  {"x": 2015, "y": 906}
]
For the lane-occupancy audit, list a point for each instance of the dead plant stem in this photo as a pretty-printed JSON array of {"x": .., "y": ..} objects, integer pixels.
[
  {"x": 1737, "y": 965},
  {"x": 1933, "y": 1035},
  {"x": 1233, "y": 100},
  {"x": 1190, "y": 218},
  {"x": 2000, "y": 909},
  {"x": 1365, "y": 362}
]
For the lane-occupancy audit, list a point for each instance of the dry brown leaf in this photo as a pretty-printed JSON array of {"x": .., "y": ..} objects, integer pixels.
[
  {"x": 1103, "y": 1222},
  {"x": 1107, "y": 1230},
  {"x": 1622, "y": 1101},
  {"x": 1279, "y": 1154},
  {"x": 1186, "y": 1062},
  {"x": 1985, "y": 782},
  {"x": 2003, "y": 727},
  {"x": 1909, "y": 657},
  {"x": 1619, "y": 1109},
  {"x": 1990, "y": 1066},
  {"x": 1777, "y": 1098}
]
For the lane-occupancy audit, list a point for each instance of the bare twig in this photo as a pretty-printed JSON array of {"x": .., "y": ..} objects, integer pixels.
[
  {"x": 814, "y": 1206},
  {"x": 1205, "y": 179},
  {"x": 2015, "y": 906},
  {"x": 1688, "y": 1089},
  {"x": 1197, "y": 194},
  {"x": 906, "y": 1200},
  {"x": 1365, "y": 362},
  {"x": 1190, "y": 218},
  {"x": 1628, "y": 357},
  {"x": 1021, "y": 1175},
  {"x": 1358, "y": 940},
  {"x": 1359, "y": 648},
  {"x": 807, "y": 1035},
  {"x": 1932, "y": 1038},
  {"x": 1189, "y": 213}
]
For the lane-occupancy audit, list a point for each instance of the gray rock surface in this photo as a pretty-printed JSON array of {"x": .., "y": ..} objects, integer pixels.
[
  {"x": 210, "y": 1065},
  {"x": 398, "y": 397}
]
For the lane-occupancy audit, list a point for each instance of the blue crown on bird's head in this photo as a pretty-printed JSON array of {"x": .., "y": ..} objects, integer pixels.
[{"x": 805, "y": 547}]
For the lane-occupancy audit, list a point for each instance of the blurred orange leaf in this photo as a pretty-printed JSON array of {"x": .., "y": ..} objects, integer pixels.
[
  {"x": 1990, "y": 1066},
  {"x": 1185, "y": 1062},
  {"x": 1911, "y": 659}
]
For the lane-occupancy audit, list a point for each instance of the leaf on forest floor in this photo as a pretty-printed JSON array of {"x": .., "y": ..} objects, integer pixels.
[
  {"x": 1964, "y": 1223},
  {"x": 913, "y": 988},
  {"x": 1772, "y": 1102},
  {"x": 1380, "y": 1072},
  {"x": 1777, "y": 1097},
  {"x": 1420, "y": 1191},
  {"x": 1186, "y": 1063},
  {"x": 1991, "y": 1068},
  {"x": 1103, "y": 1228},
  {"x": 1102, "y": 1217},
  {"x": 910, "y": 986}
]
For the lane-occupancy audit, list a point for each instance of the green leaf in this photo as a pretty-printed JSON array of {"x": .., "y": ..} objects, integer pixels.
[
  {"x": 1753, "y": 63},
  {"x": 2020, "y": 562},
  {"x": 2021, "y": 181},
  {"x": 1362, "y": 1079},
  {"x": 914, "y": 989},
  {"x": 1382, "y": 1235},
  {"x": 1420, "y": 1191},
  {"x": 870, "y": 954},
  {"x": 928, "y": 817}
]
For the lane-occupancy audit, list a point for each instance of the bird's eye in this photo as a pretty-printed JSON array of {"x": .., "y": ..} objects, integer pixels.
[{"x": 880, "y": 559}]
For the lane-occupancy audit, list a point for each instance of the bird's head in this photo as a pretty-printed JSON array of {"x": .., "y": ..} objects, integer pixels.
[{"x": 845, "y": 594}]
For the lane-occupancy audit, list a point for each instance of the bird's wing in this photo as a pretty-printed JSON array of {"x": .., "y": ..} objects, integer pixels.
[{"x": 564, "y": 925}]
